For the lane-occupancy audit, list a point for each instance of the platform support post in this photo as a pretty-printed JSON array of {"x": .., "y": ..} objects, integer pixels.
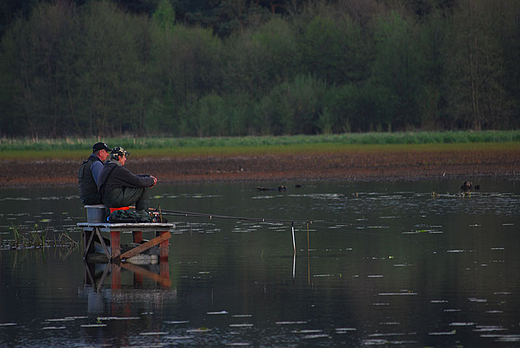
[
  {"x": 138, "y": 236},
  {"x": 116, "y": 277},
  {"x": 115, "y": 243},
  {"x": 164, "y": 247}
]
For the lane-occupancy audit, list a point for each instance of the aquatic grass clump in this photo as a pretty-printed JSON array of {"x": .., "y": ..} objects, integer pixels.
[{"x": 36, "y": 238}]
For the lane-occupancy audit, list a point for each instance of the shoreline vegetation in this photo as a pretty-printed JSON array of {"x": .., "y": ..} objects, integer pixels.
[
  {"x": 368, "y": 156},
  {"x": 26, "y": 148}
]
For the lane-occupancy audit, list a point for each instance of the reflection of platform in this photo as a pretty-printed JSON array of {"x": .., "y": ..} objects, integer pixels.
[
  {"x": 92, "y": 234},
  {"x": 111, "y": 283},
  {"x": 96, "y": 274}
]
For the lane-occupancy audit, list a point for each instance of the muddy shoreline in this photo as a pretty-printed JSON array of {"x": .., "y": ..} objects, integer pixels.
[{"x": 354, "y": 165}]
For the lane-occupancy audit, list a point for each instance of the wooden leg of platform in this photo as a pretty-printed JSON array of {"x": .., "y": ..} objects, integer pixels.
[
  {"x": 138, "y": 279},
  {"x": 164, "y": 247},
  {"x": 115, "y": 243},
  {"x": 138, "y": 236},
  {"x": 88, "y": 236},
  {"x": 116, "y": 277},
  {"x": 164, "y": 272}
]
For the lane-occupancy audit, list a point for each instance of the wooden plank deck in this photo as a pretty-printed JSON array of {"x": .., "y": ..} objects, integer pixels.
[{"x": 92, "y": 229}]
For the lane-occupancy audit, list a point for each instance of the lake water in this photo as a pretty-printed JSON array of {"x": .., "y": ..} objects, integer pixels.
[{"x": 379, "y": 263}]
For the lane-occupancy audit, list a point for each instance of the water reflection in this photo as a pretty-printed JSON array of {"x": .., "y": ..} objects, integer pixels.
[{"x": 378, "y": 264}]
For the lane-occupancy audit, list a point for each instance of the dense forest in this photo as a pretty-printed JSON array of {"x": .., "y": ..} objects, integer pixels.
[{"x": 264, "y": 67}]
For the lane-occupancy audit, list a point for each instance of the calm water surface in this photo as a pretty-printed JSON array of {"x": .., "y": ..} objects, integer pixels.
[{"x": 381, "y": 263}]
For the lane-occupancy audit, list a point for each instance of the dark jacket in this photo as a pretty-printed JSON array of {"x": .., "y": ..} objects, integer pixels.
[
  {"x": 115, "y": 176},
  {"x": 87, "y": 185}
]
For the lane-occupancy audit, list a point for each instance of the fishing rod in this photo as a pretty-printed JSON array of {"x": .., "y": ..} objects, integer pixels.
[
  {"x": 158, "y": 212},
  {"x": 227, "y": 217}
]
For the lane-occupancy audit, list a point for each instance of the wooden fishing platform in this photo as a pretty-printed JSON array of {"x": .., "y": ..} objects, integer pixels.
[{"x": 115, "y": 251}]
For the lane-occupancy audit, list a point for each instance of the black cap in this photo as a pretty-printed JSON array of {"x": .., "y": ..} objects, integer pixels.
[{"x": 100, "y": 146}]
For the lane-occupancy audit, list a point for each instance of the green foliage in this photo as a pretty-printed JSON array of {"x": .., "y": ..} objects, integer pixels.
[
  {"x": 475, "y": 68},
  {"x": 187, "y": 64},
  {"x": 293, "y": 107},
  {"x": 164, "y": 15},
  {"x": 280, "y": 52},
  {"x": 246, "y": 64},
  {"x": 398, "y": 71},
  {"x": 90, "y": 68},
  {"x": 331, "y": 50}
]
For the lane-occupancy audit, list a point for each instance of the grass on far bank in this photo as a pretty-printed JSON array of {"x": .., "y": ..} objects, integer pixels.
[{"x": 77, "y": 148}]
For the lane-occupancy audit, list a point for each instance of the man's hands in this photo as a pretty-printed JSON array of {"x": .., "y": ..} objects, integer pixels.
[{"x": 154, "y": 180}]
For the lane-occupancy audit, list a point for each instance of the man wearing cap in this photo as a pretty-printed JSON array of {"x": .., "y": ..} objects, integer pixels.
[
  {"x": 89, "y": 172},
  {"x": 120, "y": 188}
]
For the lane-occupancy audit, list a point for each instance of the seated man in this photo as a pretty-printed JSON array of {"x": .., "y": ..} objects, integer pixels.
[
  {"x": 89, "y": 172},
  {"x": 120, "y": 188}
]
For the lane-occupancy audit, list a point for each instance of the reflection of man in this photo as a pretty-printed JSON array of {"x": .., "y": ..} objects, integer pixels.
[
  {"x": 120, "y": 188},
  {"x": 89, "y": 172}
]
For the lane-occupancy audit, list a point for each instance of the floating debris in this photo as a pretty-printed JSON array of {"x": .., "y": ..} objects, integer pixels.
[
  {"x": 375, "y": 342},
  {"x": 54, "y": 328},
  {"x": 217, "y": 313},
  {"x": 387, "y": 334},
  {"x": 462, "y": 324},
  {"x": 312, "y": 337},
  {"x": 307, "y": 331},
  {"x": 448, "y": 333},
  {"x": 342, "y": 330},
  {"x": 480, "y": 300},
  {"x": 508, "y": 338},
  {"x": 176, "y": 322},
  {"x": 117, "y": 318},
  {"x": 200, "y": 329},
  {"x": 242, "y": 316},
  {"x": 290, "y": 322},
  {"x": 455, "y": 251},
  {"x": 153, "y": 333},
  {"x": 489, "y": 328},
  {"x": 179, "y": 337},
  {"x": 61, "y": 319},
  {"x": 240, "y": 325},
  {"x": 93, "y": 325}
]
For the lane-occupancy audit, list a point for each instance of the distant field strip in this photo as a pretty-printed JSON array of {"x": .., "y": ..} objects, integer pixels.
[{"x": 247, "y": 146}]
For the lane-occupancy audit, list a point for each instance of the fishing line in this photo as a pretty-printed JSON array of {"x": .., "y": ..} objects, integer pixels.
[
  {"x": 319, "y": 223},
  {"x": 228, "y": 217},
  {"x": 301, "y": 223}
]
